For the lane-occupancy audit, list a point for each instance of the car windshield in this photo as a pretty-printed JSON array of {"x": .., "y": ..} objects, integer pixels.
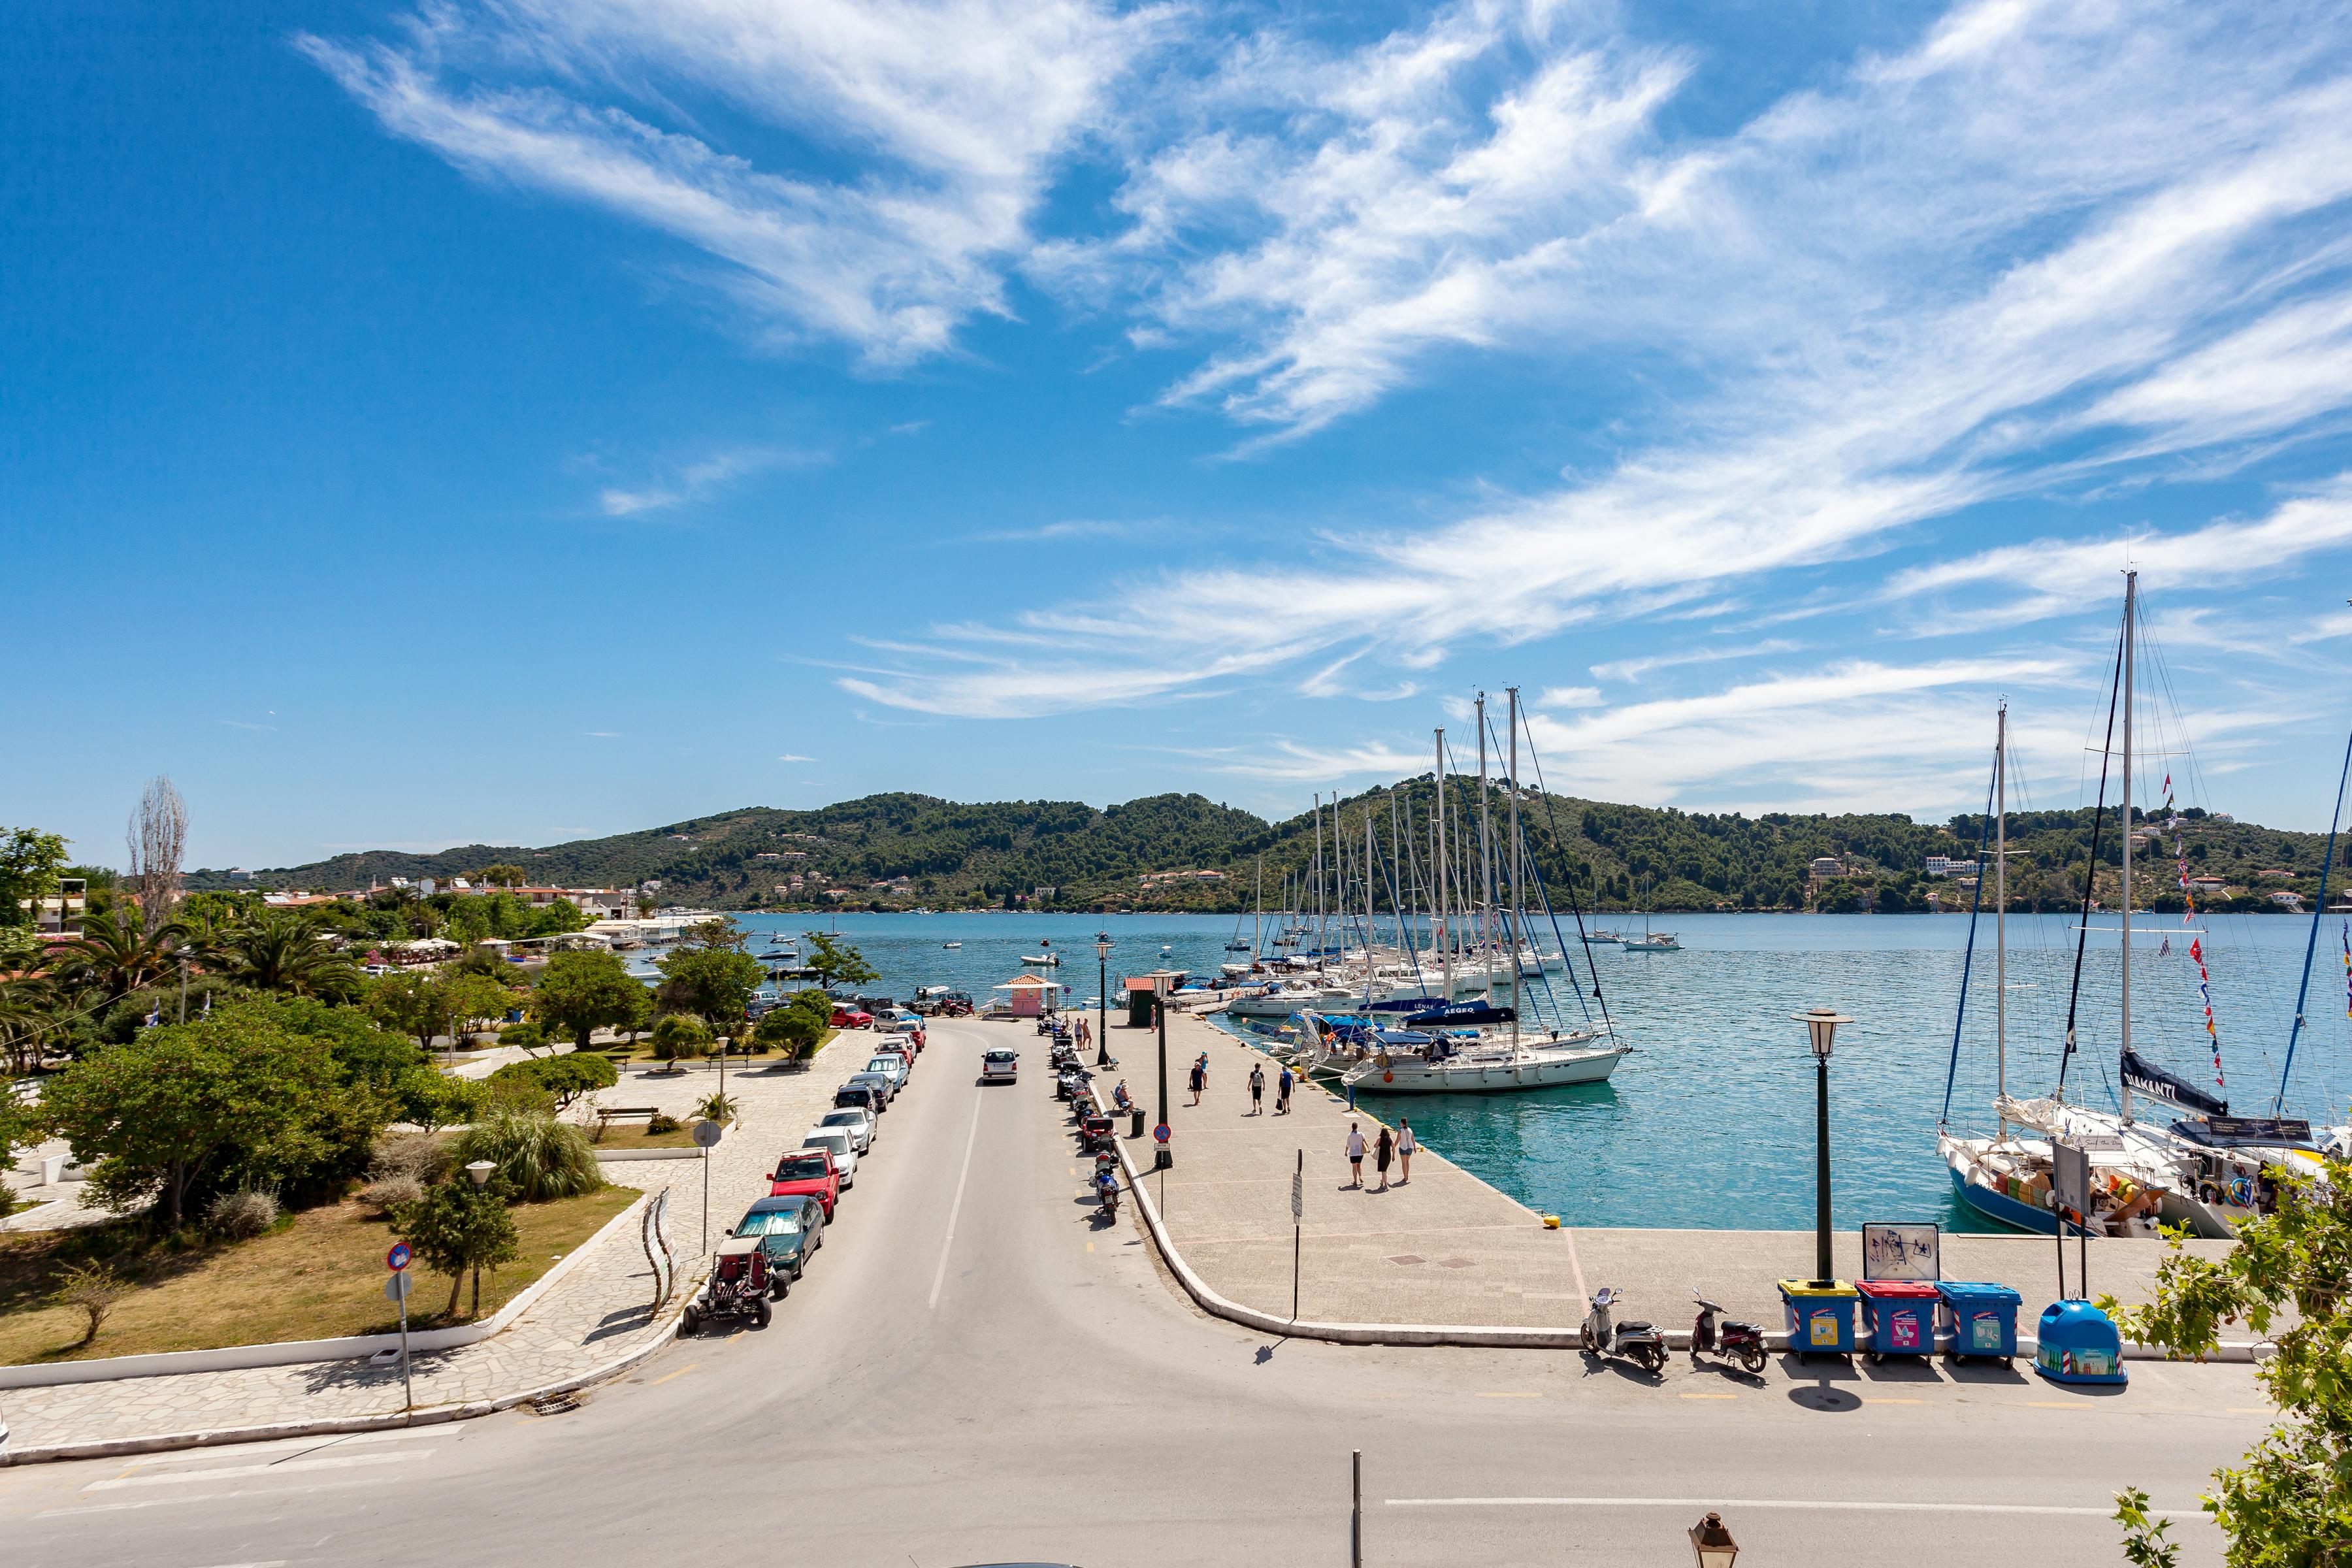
[
  {"x": 842, "y": 1119},
  {"x": 773, "y": 1222},
  {"x": 1000, "y": 1056},
  {"x": 801, "y": 1168},
  {"x": 883, "y": 1064},
  {"x": 838, "y": 1143}
]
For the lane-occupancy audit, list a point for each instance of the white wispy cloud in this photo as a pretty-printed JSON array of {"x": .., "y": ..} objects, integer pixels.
[
  {"x": 1635, "y": 669},
  {"x": 244, "y": 724},
  {"x": 1569, "y": 697},
  {"x": 933, "y": 128},
  {"x": 794, "y": 757},
  {"x": 700, "y": 481},
  {"x": 602, "y": 734}
]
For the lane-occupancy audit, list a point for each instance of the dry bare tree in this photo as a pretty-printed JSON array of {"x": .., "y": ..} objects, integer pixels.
[{"x": 158, "y": 837}]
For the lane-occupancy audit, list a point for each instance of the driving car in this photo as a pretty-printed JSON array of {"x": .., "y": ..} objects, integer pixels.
[
  {"x": 855, "y": 1121},
  {"x": 999, "y": 1066},
  {"x": 787, "y": 1229},
  {"x": 851, "y": 1018},
  {"x": 862, "y": 1097},
  {"x": 845, "y": 1151},
  {"x": 808, "y": 1172},
  {"x": 891, "y": 1065},
  {"x": 881, "y": 1080}
]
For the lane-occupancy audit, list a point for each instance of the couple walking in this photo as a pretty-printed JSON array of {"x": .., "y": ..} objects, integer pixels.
[
  {"x": 1257, "y": 1092},
  {"x": 1399, "y": 1143}
]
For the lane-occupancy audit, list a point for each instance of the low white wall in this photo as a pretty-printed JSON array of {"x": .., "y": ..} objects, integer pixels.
[{"x": 293, "y": 1352}]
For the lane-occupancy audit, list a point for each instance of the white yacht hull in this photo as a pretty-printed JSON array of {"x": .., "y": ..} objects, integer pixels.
[{"x": 1540, "y": 1066}]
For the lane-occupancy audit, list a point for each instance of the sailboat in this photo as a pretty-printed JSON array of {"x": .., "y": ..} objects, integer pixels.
[
  {"x": 2140, "y": 1175},
  {"x": 1477, "y": 1047}
]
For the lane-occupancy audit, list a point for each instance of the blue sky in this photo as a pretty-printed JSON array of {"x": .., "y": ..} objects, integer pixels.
[{"x": 520, "y": 419}]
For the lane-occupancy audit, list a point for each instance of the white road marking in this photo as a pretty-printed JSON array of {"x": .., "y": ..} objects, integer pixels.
[
  {"x": 1725, "y": 1505},
  {"x": 282, "y": 1467},
  {"x": 278, "y": 1492},
  {"x": 292, "y": 1445},
  {"x": 940, "y": 1278}
]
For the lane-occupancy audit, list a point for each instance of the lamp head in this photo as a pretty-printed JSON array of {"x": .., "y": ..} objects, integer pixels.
[
  {"x": 1822, "y": 1022},
  {"x": 1711, "y": 1545},
  {"x": 480, "y": 1171},
  {"x": 1102, "y": 947}
]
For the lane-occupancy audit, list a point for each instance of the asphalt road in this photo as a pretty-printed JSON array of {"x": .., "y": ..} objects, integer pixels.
[{"x": 976, "y": 1371}]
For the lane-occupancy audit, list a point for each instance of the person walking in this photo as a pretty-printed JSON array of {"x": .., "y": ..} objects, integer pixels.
[
  {"x": 1355, "y": 1155},
  {"x": 1381, "y": 1154},
  {"x": 1405, "y": 1147},
  {"x": 1257, "y": 1089},
  {"x": 1199, "y": 1078},
  {"x": 1282, "y": 1093}
]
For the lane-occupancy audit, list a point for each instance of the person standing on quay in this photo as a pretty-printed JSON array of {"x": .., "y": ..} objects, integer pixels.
[
  {"x": 1405, "y": 1147},
  {"x": 1199, "y": 1078},
  {"x": 1381, "y": 1152},
  {"x": 1257, "y": 1089},
  {"x": 1355, "y": 1154},
  {"x": 1282, "y": 1093}
]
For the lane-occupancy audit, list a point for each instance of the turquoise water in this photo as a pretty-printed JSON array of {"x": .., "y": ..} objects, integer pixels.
[{"x": 1710, "y": 1122}]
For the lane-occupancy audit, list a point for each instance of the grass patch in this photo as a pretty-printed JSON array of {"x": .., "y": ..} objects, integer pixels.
[
  {"x": 320, "y": 1275},
  {"x": 633, "y": 1135}
]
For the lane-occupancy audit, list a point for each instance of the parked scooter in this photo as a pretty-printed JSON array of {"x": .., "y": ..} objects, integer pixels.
[
  {"x": 1107, "y": 1193},
  {"x": 1635, "y": 1341},
  {"x": 1742, "y": 1342}
]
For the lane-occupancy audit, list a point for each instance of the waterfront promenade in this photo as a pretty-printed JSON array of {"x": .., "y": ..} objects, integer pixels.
[{"x": 1449, "y": 1249}]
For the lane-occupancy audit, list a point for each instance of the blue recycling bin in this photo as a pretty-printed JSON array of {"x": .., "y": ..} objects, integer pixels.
[
  {"x": 1819, "y": 1318},
  {"x": 2078, "y": 1344},
  {"x": 1981, "y": 1318}
]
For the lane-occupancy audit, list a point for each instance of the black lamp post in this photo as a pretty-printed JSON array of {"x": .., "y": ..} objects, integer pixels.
[
  {"x": 1163, "y": 1156},
  {"x": 1823, "y": 1023},
  {"x": 1102, "y": 1001}
]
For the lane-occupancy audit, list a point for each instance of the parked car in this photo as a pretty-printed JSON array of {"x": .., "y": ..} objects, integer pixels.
[
  {"x": 999, "y": 1066},
  {"x": 851, "y": 1018},
  {"x": 788, "y": 1230},
  {"x": 864, "y": 1096},
  {"x": 808, "y": 1172},
  {"x": 892, "y": 1065},
  {"x": 881, "y": 1080},
  {"x": 844, "y": 1147},
  {"x": 855, "y": 1121},
  {"x": 899, "y": 1048}
]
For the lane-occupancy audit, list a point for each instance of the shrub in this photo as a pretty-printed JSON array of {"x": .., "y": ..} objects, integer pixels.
[
  {"x": 242, "y": 1215},
  {"x": 446, "y": 1101},
  {"x": 419, "y": 1156},
  {"x": 537, "y": 1157},
  {"x": 662, "y": 1121},
  {"x": 387, "y": 1194},
  {"x": 564, "y": 1078},
  {"x": 527, "y": 1035},
  {"x": 715, "y": 1108},
  {"x": 92, "y": 1288},
  {"x": 679, "y": 1037},
  {"x": 456, "y": 1226}
]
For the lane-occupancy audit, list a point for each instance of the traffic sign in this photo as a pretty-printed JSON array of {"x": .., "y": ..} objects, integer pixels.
[
  {"x": 397, "y": 1287},
  {"x": 709, "y": 1134},
  {"x": 1160, "y": 1133},
  {"x": 397, "y": 1258},
  {"x": 1297, "y": 1197}
]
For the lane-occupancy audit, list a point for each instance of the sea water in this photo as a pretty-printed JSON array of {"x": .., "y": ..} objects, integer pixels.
[{"x": 1710, "y": 1123}]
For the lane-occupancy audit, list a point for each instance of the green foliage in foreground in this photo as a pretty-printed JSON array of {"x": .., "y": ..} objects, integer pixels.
[
  {"x": 537, "y": 1157},
  {"x": 457, "y": 1228},
  {"x": 2289, "y": 1505},
  {"x": 564, "y": 1078}
]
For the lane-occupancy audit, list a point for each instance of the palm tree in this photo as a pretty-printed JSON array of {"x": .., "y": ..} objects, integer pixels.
[
  {"x": 116, "y": 954},
  {"x": 283, "y": 950},
  {"x": 28, "y": 1007}
]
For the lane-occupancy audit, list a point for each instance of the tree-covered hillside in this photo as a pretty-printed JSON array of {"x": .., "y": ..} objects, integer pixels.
[{"x": 899, "y": 851}]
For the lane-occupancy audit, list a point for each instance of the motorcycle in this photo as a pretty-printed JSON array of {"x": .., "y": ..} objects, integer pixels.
[
  {"x": 1742, "y": 1342},
  {"x": 1637, "y": 1340},
  {"x": 1107, "y": 1196}
]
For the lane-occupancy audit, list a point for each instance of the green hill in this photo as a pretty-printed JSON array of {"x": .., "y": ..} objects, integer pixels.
[{"x": 898, "y": 851}]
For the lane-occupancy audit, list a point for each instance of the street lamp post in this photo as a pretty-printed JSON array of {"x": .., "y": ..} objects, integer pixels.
[
  {"x": 480, "y": 1171},
  {"x": 1162, "y": 1157},
  {"x": 1821, "y": 1022},
  {"x": 1102, "y": 1001}
]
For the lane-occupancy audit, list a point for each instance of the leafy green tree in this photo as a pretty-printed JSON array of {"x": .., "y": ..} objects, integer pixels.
[
  {"x": 836, "y": 963},
  {"x": 556, "y": 917},
  {"x": 579, "y": 993},
  {"x": 713, "y": 982},
  {"x": 29, "y": 862},
  {"x": 565, "y": 1079},
  {"x": 427, "y": 1003},
  {"x": 502, "y": 875},
  {"x": 20, "y": 1125},
  {"x": 183, "y": 1109},
  {"x": 458, "y": 1227},
  {"x": 2289, "y": 1279},
  {"x": 796, "y": 1028},
  {"x": 679, "y": 1035}
]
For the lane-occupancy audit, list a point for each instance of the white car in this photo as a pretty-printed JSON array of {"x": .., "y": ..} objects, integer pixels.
[
  {"x": 999, "y": 1066},
  {"x": 853, "y": 1120},
  {"x": 844, "y": 1147},
  {"x": 892, "y": 1064}
]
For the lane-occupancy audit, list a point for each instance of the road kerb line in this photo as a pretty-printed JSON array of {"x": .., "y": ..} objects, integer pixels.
[
  {"x": 1727, "y": 1505},
  {"x": 955, "y": 1210}
]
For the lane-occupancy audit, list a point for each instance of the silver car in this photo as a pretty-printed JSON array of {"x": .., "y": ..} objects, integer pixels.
[
  {"x": 881, "y": 1082},
  {"x": 896, "y": 1066},
  {"x": 853, "y": 1120},
  {"x": 845, "y": 1151}
]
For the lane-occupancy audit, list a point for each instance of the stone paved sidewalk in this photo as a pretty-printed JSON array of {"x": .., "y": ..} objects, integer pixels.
[
  {"x": 1449, "y": 1249},
  {"x": 594, "y": 1315}
]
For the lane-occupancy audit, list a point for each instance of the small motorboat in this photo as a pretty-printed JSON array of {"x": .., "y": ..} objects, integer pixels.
[{"x": 950, "y": 944}]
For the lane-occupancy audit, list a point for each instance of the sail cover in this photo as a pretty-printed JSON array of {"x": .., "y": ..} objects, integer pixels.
[
  {"x": 1459, "y": 1015},
  {"x": 2147, "y": 1080}
]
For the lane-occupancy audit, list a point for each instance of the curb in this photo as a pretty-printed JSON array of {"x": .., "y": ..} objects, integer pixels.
[
  {"x": 1471, "y": 1336},
  {"x": 429, "y": 1415}
]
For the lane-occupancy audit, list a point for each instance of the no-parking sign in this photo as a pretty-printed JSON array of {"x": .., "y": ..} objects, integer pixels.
[{"x": 397, "y": 1258}]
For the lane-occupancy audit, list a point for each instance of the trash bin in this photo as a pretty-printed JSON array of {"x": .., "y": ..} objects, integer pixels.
[
  {"x": 1135, "y": 1124},
  {"x": 1981, "y": 1318},
  {"x": 2078, "y": 1344},
  {"x": 1899, "y": 1316},
  {"x": 1819, "y": 1317}
]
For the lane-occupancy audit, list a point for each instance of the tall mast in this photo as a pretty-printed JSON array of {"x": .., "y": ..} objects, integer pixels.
[
  {"x": 2131, "y": 595},
  {"x": 1257, "y": 920},
  {"x": 1318, "y": 882},
  {"x": 2000, "y": 918},
  {"x": 1486, "y": 860},
  {"x": 1368, "y": 908},
  {"x": 1444, "y": 936},
  {"x": 1513, "y": 934}
]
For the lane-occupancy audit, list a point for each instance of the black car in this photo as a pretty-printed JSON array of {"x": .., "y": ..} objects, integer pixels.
[
  {"x": 866, "y": 1098},
  {"x": 789, "y": 1229}
]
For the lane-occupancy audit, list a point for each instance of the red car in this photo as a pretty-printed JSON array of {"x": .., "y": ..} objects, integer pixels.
[
  {"x": 849, "y": 1018},
  {"x": 808, "y": 1172}
]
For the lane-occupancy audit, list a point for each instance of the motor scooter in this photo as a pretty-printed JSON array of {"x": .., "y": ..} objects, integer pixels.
[
  {"x": 1742, "y": 1342},
  {"x": 1106, "y": 1194},
  {"x": 1637, "y": 1340}
]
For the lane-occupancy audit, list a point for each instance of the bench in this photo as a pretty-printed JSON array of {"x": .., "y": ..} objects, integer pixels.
[{"x": 604, "y": 1116}]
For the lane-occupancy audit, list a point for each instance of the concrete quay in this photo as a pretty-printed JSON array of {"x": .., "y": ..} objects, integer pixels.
[{"x": 1449, "y": 1249}]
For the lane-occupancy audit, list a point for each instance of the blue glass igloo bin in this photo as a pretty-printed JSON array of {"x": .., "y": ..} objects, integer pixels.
[{"x": 2078, "y": 1344}]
